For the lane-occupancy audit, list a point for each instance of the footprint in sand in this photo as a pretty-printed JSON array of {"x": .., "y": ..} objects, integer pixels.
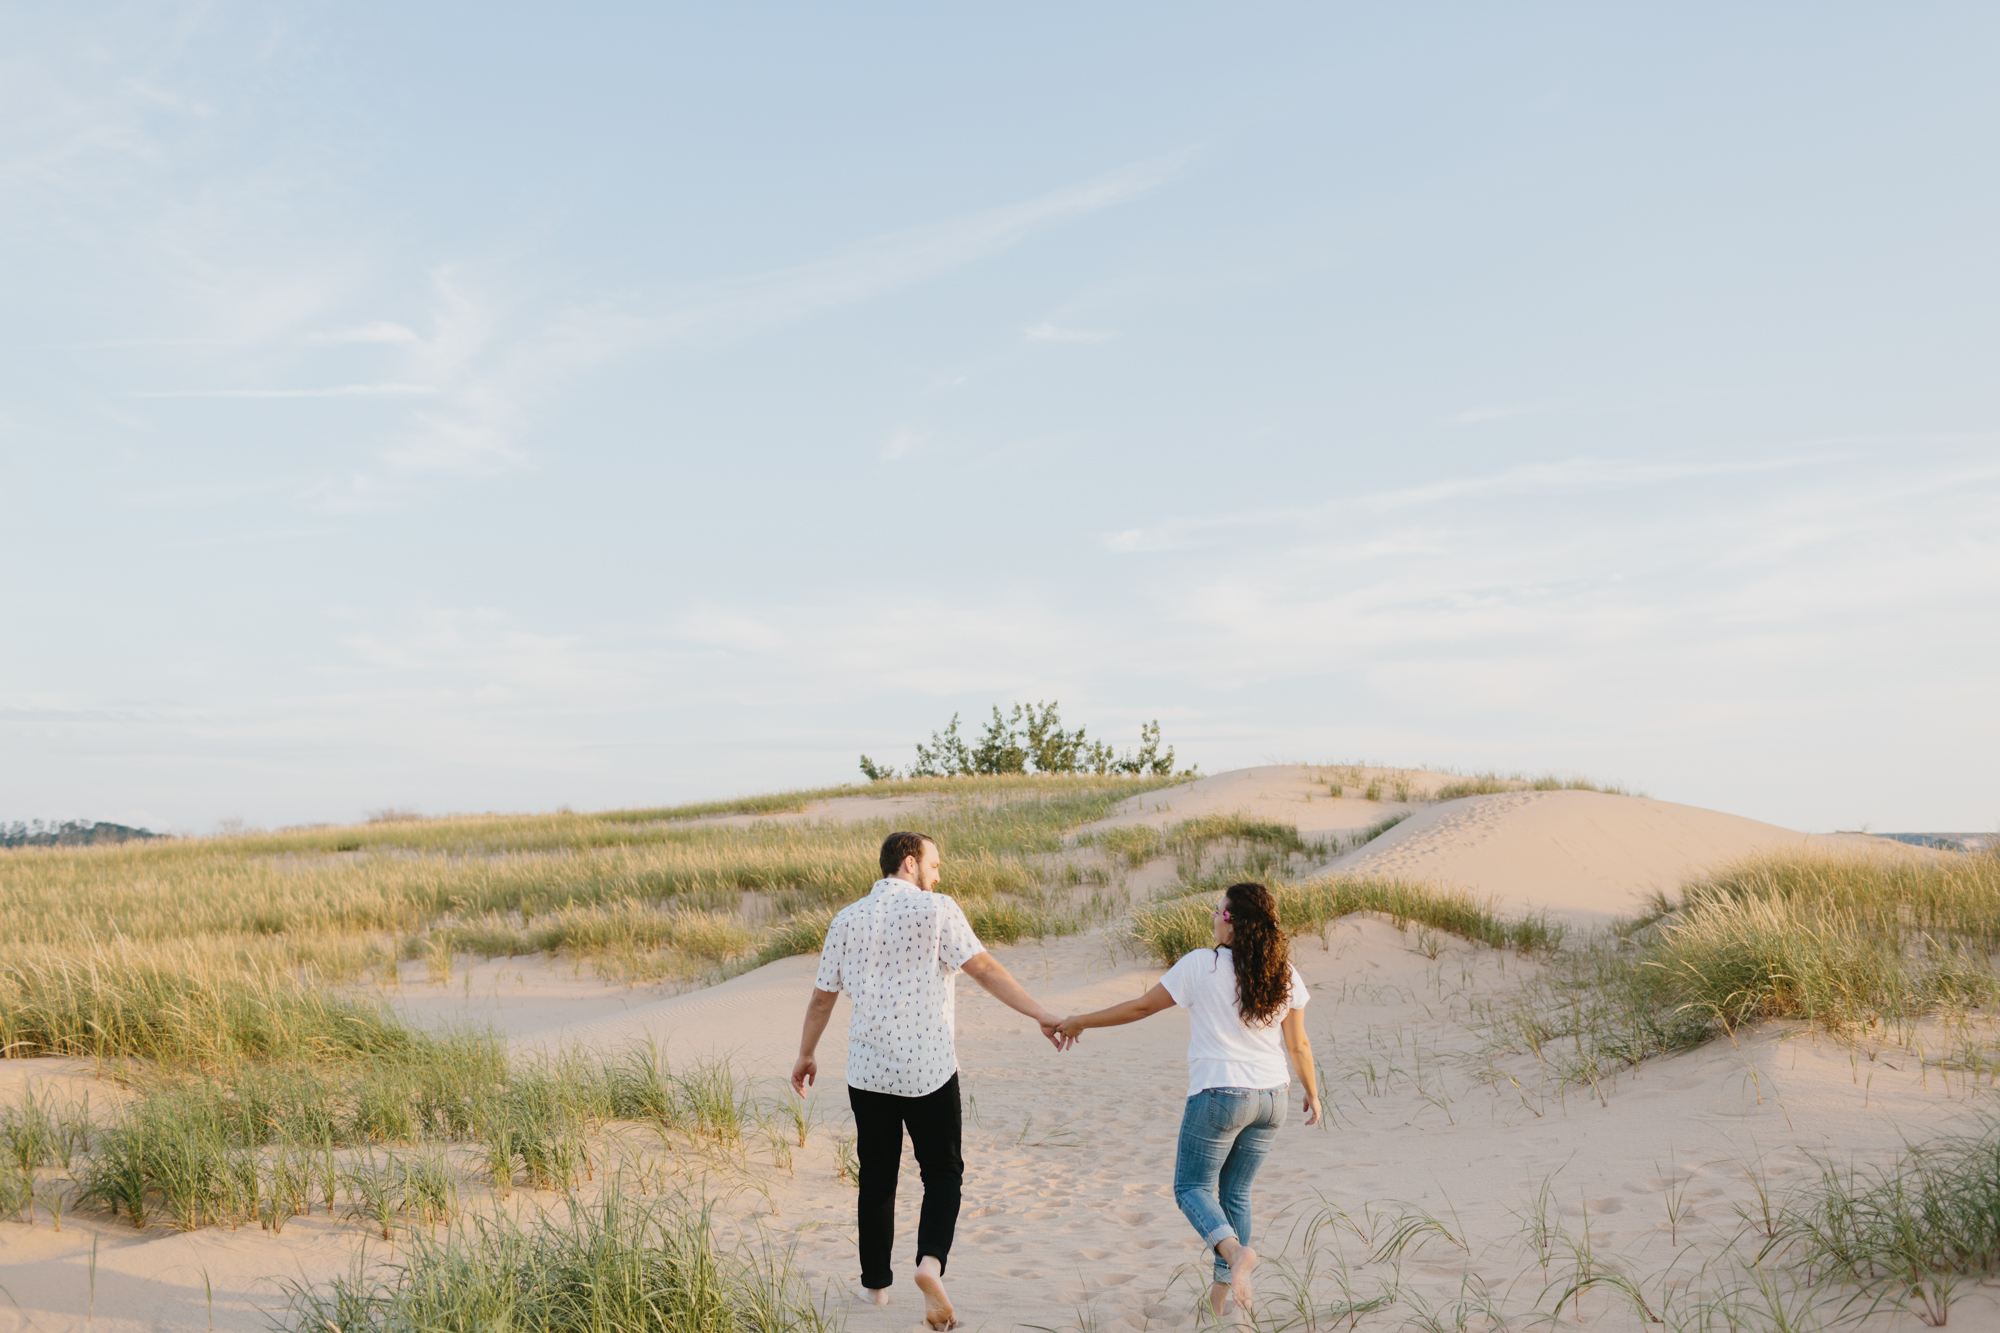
[
  {"x": 1095, "y": 1256},
  {"x": 1114, "y": 1279},
  {"x": 1593, "y": 1206},
  {"x": 1134, "y": 1219}
]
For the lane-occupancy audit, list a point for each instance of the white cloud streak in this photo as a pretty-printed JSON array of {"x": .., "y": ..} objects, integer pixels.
[
  {"x": 336, "y": 391},
  {"x": 905, "y": 257},
  {"x": 382, "y": 331},
  {"x": 1577, "y": 474},
  {"x": 492, "y": 378},
  {"x": 1052, "y": 333}
]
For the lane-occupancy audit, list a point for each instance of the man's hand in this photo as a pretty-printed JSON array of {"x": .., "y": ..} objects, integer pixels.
[
  {"x": 1051, "y": 1028},
  {"x": 818, "y": 1009}
]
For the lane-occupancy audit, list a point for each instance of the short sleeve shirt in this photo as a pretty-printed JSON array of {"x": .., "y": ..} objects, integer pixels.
[
  {"x": 1223, "y": 1050},
  {"x": 897, "y": 953}
]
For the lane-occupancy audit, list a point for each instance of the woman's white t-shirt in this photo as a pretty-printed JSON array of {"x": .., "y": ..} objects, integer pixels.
[{"x": 1223, "y": 1050}]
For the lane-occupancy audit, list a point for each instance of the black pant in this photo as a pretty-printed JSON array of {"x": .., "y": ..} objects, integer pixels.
[{"x": 879, "y": 1118}]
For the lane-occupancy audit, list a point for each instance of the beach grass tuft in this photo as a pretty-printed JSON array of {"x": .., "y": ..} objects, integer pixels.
[
  {"x": 1167, "y": 930},
  {"x": 622, "y": 1262},
  {"x": 1490, "y": 784}
]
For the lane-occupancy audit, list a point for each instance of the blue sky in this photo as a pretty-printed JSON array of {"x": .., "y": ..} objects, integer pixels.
[{"x": 468, "y": 407}]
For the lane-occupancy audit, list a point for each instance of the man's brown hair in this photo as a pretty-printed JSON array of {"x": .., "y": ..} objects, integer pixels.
[{"x": 897, "y": 846}]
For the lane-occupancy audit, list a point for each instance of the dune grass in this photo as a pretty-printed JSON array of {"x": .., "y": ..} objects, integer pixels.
[
  {"x": 265, "y": 1143},
  {"x": 1169, "y": 929},
  {"x": 1138, "y": 843},
  {"x": 221, "y": 949},
  {"x": 175, "y": 1004},
  {"x": 1487, "y": 784},
  {"x": 1906, "y": 1235},
  {"x": 622, "y": 1263},
  {"x": 1376, "y": 830},
  {"x": 1842, "y": 941},
  {"x": 1857, "y": 945}
]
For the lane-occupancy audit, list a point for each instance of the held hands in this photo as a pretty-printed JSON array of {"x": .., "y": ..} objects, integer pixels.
[
  {"x": 1052, "y": 1029},
  {"x": 1071, "y": 1031}
]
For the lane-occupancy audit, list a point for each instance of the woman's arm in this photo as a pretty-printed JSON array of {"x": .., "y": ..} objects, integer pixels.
[
  {"x": 1117, "y": 1015},
  {"x": 1301, "y": 1050}
]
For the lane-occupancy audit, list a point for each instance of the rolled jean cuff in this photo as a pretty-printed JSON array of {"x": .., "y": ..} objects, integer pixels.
[{"x": 1220, "y": 1234}]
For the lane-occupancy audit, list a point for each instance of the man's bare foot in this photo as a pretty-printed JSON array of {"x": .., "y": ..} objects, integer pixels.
[
  {"x": 1218, "y": 1298},
  {"x": 1240, "y": 1265},
  {"x": 871, "y": 1295},
  {"x": 937, "y": 1305}
]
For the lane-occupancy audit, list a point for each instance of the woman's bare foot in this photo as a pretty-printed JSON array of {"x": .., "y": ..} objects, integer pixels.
[
  {"x": 1240, "y": 1265},
  {"x": 1218, "y": 1298},
  {"x": 937, "y": 1305},
  {"x": 871, "y": 1295}
]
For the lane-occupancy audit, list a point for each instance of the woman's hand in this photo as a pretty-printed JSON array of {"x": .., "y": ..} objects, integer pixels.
[
  {"x": 1312, "y": 1109},
  {"x": 1070, "y": 1029}
]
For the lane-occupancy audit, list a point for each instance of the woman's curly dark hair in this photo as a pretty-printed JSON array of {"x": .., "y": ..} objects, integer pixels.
[{"x": 1261, "y": 954}]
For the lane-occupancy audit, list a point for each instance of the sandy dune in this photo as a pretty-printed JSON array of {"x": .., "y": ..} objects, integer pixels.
[
  {"x": 1282, "y": 793},
  {"x": 1069, "y": 1220},
  {"x": 838, "y": 809},
  {"x": 1583, "y": 855}
]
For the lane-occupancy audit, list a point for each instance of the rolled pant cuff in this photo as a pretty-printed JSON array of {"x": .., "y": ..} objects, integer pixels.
[{"x": 1220, "y": 1234}]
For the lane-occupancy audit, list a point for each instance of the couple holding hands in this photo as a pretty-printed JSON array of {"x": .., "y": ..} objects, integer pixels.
[{"x": 897, "y": 954}]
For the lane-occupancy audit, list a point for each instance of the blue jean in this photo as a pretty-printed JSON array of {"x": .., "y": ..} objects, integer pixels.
[{"x": 1225, "y": 1135}]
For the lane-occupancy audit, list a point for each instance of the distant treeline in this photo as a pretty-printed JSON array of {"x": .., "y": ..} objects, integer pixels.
[
  {"x": 1029, "y": 740},
  {"x": 69, "y": 833}
]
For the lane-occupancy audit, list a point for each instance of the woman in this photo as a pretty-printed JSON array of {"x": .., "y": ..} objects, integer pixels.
[{"x": 1243, "y": 997}]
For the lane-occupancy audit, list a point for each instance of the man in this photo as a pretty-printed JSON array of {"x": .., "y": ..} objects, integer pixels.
[{"x": 897, "y": 954}]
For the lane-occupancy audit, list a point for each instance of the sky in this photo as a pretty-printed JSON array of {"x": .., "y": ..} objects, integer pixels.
[{"x": 467, "y": 407}]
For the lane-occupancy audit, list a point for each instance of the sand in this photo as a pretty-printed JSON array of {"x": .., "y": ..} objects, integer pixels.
[
  {"x": 1583, "y": 856},
  {"x": 1069, "y": 1220}
]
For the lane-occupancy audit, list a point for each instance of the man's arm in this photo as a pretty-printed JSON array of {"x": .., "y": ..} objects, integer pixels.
[
  {"x": 818, "y": 1010},
  {"x": 998, "y": 982}
]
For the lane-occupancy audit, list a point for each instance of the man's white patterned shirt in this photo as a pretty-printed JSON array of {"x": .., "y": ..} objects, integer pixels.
[{"x": 897, "y": 953}]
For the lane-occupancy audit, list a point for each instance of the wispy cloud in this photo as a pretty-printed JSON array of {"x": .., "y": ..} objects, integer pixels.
[
  {"x": 491, "y": 375},
  {"x": 901, "y": 258},
  {"x": 1577, "y": 474},
  {"x": 381, "y": 331},
  {"x": 1472, "y": 416},
  {"x": 335, "y": 391},
  {"x": 1051, "y": 333}
]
